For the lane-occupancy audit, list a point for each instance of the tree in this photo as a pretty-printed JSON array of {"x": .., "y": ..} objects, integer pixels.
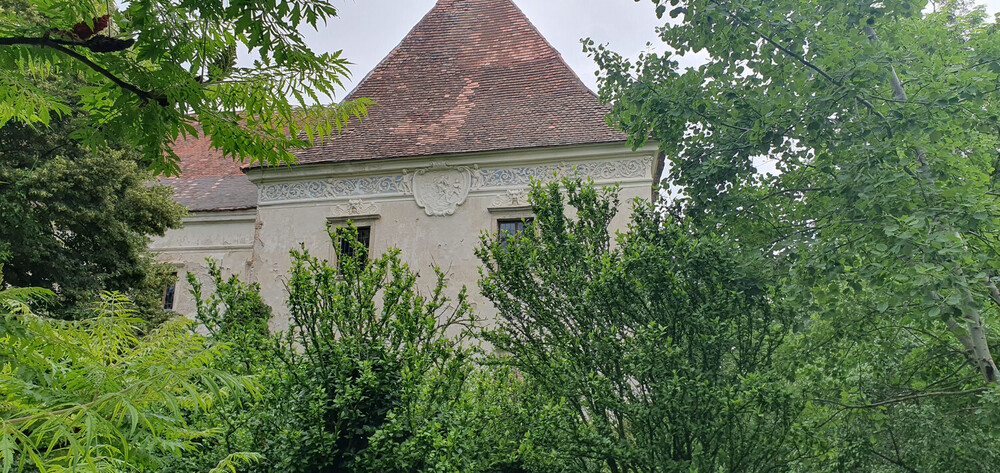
[
  {"x": 654, "y": 350},
  {"x": 93, "y": 395},
  {"x": 881, "y": 125},
  {"x": 878, "y": 181},
  {"x": 155, "y": 70},
  {"x": 370, "y": 376},
  {"x": 854, "y": 144},
  {"x": 78, "y": 219}
]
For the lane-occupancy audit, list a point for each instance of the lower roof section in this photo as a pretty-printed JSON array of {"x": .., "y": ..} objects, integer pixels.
[{"x": 215, "y": 193}]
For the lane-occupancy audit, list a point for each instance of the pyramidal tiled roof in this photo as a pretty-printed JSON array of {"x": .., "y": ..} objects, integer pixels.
[{"x": 473, "y": 75}]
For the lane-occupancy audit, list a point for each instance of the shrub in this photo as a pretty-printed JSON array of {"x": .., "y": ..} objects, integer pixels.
[
  {"x": 94, "y": 395},
  {"x": 654, "y": 350},
  {"x": 370, "y": 376}
]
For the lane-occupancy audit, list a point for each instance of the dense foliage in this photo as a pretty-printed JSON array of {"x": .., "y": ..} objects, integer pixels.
[
  {"x": 366, "y": 366},
  {"x": 818, "y": 295},
  {"x": 369, "y": 376},
  {"x": 659, "y": 344},
  {"x": 154, "y": 70},
  {"x": 854, "y": 144},
  {"x": 79, "y": 220},
  {"x": 663, "y": 348},
  {"x": 93, "y": 395}
]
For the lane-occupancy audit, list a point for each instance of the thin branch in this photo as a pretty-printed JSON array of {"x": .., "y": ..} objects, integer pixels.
[
  {"x": 44, "y": 41},
  {"x": 800, "y": 59},
  {"x": 896, "y": 462},
  {"x": 796, "y": 190},
  {"x": 781, "y": 48},
  {"x": 970, "y": 66},
  {"x": 60, "y": 45},
  {"x": 727, "y": 125},
  {"x": 910, "y": 397}
]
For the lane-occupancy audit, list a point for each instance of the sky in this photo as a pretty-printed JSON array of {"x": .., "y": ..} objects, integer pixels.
[{"x": 368, "y": 29}]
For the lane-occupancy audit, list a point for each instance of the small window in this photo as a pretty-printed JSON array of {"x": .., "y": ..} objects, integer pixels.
[
  {"x": 511, "y": 229},
  {"x": 168, "y": 294},
  {"x": 365, "y": 226},
  {"x": 359, "y": 252}
]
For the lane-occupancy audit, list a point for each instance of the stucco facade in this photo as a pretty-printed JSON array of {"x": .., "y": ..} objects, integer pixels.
[
  {"x": 402, "y": 202},
  {"x": 224, "y": 236},
  {"x": 433, "y": 210}
]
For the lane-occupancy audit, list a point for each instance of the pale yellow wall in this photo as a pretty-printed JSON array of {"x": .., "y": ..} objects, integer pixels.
[
  {"x": 226, "y": 237},
  {"x": 299, "y": 216},
  {"x": 295, "y": 204}
]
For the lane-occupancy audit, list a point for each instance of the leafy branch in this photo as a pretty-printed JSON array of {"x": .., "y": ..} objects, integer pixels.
[
  {"x": 60, "y": 45},
  {"x": 799, "y": 58}
]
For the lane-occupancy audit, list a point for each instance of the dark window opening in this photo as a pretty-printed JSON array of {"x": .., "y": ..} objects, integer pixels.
[
  {"x": 168, "y": 295},
  {"x": 360, "y": 251},
  {"x": 511, "y": 229}
]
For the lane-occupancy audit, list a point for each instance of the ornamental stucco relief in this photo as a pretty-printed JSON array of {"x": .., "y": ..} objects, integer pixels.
[
  {"x": 334, "y": 188},
  {"x": 600, "y": 170},
  {"x": 439, "y": 189},
  {"x": 511, "y": 198},
  {"x": 356, "y": 207}
]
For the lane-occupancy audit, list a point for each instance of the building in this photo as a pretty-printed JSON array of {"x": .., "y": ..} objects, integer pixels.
[{"x": 472, "y": 105}]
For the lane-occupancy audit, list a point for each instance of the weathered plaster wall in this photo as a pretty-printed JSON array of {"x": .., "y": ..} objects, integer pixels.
[
  {"x": 225, "y": 236},
  {"x": 432, "y": 210}
]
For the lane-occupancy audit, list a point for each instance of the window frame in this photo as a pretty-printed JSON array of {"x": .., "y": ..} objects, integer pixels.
[
  {"x": 525, "y": 223},
  {"x": 500, "y": 215},
  {"x": 364, "y": 237},
  {"x": 171, "y": 291},
  {"x": 358, "y": 221}
]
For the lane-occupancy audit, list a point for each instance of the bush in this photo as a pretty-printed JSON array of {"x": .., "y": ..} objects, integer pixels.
[
  {"x": 94, "y": 395},
  {"x": 370, "y": 376},
  {"x": 654, "y": 350}
]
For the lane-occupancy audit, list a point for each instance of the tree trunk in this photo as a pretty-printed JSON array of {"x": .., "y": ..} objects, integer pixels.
[{"x": 972, "y": 335}]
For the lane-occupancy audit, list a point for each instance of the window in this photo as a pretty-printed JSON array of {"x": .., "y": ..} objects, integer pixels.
[
  {"x": 168, "y": 294},
  {"x": 510, "y": 229},
  {"x": 341, "y": 247},
  {"x": 357, "y": 251}
]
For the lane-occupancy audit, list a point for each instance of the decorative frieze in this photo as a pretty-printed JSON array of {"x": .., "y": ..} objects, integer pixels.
[
  {"x": 440, "y": 188},
  {"x": 514, "y": 176},
  {"x": 335, "y": 188}
]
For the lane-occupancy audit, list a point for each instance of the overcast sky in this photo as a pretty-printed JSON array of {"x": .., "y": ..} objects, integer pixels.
[{"x": 368, "y": 29}]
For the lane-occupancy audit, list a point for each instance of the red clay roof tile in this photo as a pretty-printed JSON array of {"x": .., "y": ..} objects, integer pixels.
[
  {"x": 208, "y": 181},
  {"x": 199, "y": 159},
  {"x": 472, "y": 75}
]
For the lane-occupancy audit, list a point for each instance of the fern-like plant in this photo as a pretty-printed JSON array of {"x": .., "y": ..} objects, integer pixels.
[
  {"x": 92, "y": 395},
  {"x": 18, "y": 300}
]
